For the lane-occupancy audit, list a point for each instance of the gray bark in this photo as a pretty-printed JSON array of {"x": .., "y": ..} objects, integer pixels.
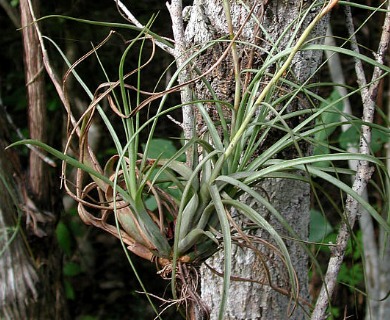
[{"x": 249, "y": 300}]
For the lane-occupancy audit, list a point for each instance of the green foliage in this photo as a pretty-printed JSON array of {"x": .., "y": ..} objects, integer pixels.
[
  {"x": 14, "y": 3},
  {"x": 64, "y": 238},
  {"x": 351, "y": 272},
  {"x": 160, "y": 148},
  {"x": 72, "y": 269},
  {"x": 328, "y": 117},
  {"x": 320, "y": 227},
  {"x": 326, "y": 120},
  {"x": 69, "y": 290},
  {"x": 351, "y": 275},
  {"x": 65, "y": 234},
  {"x": 350, "y": 138}
]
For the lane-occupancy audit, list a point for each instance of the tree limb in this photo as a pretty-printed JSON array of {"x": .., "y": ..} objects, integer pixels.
[
  {"x": 363, "y": 173},
  {"x": 180, "y": 53},
  {"x": 370, "y": 248}
]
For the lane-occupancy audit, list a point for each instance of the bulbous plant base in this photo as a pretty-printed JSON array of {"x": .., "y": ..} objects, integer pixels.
[{"x": 96, "y": 207}]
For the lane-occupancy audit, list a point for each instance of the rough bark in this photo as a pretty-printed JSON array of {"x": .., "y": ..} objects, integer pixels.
[
  {"x": 17, "y": 270},
  {"x": 36, "y": 95},
  {"x": 248, "y": 300},
  {"x": 40, "y": 204}
]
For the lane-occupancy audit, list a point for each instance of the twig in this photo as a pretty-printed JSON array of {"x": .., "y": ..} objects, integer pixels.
[
  {"x": 175, "y": 121},
  {"x": 43, "y": 157},
  {"x": 126, "y": 13},
  {"x": 363, "y": 173}
]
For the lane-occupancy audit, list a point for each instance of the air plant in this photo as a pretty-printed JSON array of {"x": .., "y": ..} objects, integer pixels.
[{"x": 192, "y": 223}]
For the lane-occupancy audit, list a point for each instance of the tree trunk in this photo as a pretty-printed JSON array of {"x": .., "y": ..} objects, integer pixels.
[
  {"x": 17, "y": 271},
  {"x": 36, "y": 95},
  {"x": 33, "y": 193},
  {"x": 248, "y": 299},
  {"x": 255, "y": 298}
]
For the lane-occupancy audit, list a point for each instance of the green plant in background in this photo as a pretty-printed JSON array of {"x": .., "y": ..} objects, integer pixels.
[
  {"x": 174, "y": 207},
  {"x": 330, "y": 120},
  {"x": 66, "y": 234},
  {"x": 351, "y": 273}
]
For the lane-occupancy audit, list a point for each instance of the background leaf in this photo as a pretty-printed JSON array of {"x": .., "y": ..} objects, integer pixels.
[
  {"x": 64, "y": 238},
  {"x": 319, "y": 226},
  {"x": 160, "y": 148}
]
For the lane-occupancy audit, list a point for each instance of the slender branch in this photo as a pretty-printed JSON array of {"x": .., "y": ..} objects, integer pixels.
[
  {"x": 129, "y": 16},
  {"x": 361, "y": 77},
  {"x": 363, "y": 173},
  {"x": 19, "y": 133},
  {"x": 176, "y": 11},
  {"x": 370, "y": 249}
]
